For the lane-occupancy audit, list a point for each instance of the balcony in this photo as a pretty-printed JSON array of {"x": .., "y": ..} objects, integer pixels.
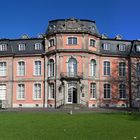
[{"x": 71, "y": 76}]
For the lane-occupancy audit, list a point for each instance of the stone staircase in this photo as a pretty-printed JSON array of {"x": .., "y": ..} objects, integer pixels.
[{"x": 74, "y": 106}]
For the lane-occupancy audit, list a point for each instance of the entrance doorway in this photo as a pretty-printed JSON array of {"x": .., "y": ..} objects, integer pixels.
[{"x": 72, "y": 92}]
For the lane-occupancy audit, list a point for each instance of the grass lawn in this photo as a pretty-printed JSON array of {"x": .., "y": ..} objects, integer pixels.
[{"x": 62, "y": 126}]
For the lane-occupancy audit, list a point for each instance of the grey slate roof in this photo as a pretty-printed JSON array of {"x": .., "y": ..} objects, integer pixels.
[{"x": 29, "y": 48}]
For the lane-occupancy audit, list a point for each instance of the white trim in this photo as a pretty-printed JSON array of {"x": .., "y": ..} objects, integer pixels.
[
  {"x": 72, "y": 37},
  {"x": 103, "y": 67},
  {"x": 5, "y": 68},
  {"x": 34, "y": 67},
  {"x": 24, "y": 66},
  {"x": 33, "y": 91},
  {"x": 24, "y": 92}
]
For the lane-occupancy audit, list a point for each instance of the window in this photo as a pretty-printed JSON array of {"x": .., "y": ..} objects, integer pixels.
[
  {"x": 37, "y": 91},
  {"x": 138, "y": 69},
  {"x": 107, "y": 91},
  {"x": 138, "y": 91},
  {"x": 51, "y": 42},
  {"x": 21, "y": 47},
  {"x": 72, "y": 40},
  {"x": 37, "y": 68},
  {"x": 51, "y": 91},
  {"x": 122, "y": 69},
  {"x": 122, "y": 91},
  {"x": 2, "y": 91},
  {"x": 138, "y": 48},
  {"x": 92, "y": 67},
  {"x": 106, "y": 68},
  {"x": 72, "y": 67},
  {"x": 106, "y": 46},
  {"x": 21, "y": 68},
  {"x": 121, "y": 47},
  {"x": 2, "y": 68},
  {"x": 93, "y": 90},
  {"x": 92, "y": 42},
  {"x": 3, "y": 47},
  {"x": 21, "y": 91},
  {"x": 38, "y": 46},
  {"x": 51, "y": 68}
]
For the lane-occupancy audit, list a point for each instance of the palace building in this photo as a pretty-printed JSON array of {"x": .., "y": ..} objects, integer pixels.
[{"x": 72, "y": 63}]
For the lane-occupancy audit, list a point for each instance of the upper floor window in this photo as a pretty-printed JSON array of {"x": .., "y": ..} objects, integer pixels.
[
  {"x": 92, "y": 67},
  {"x": 122, "y": 69},
  {"x": 122, "y": 91},
  {"x": 2, "y": 91},
  {"x": 3, "y": 47},
  {"x": 107, "y": 91},
  {"x": 72, "y": 41},
  {"x": 51, "y": 91},
  {"x": 2, "y": 68},
  {"x": 106, "y": 46},
  {"x": 51, "y": 42},
  {"x": 121, "y": 47},
  {"x": 38, "y": 46},
  {"x": 37, "y": 67},
  {"x": 51, "y": 68},
  {"x": 37, "y": 91},
  {"x": 93, "y": 90},
  {"x": 21, "y": 47},
  {"x": 138, "y": 48},
  {"x": 21, "y": 91},
  {"x": 106, "y": 68},
  {"x": 72, "y": 67},
  {"x": 92, "y": 42},
  {"x": 21, "y": 68}
]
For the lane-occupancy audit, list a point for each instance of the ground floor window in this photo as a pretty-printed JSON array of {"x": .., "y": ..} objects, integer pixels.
[
  {"x": 51, "y": 91},
  {"x": 107, "y": 91},
  {"x": 122, "y": 91},
  {"x": 2, "y": 91},
  {"x": 92, "y": 90},
  {"x": 37, "y": 91},
  {"x": 21, "y": 91}
]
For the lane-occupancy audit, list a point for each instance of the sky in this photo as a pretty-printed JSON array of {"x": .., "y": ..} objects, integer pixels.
[{"x": 18, "y": 17}]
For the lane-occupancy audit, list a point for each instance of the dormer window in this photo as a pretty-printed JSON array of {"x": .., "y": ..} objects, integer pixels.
[
  {"x": 138, "y": 48},
  {"x": 3, "y": 47},
  {"x": 92, "y": 42},
  {"x": 51, "y": 42},
  {"x": 121, "y": 47},
  {"x": 72, "y": 41},
  {"x": 38, "y": 46},
  {"x": 106, "y": 46},
  {"x": 21, "y": 47}
]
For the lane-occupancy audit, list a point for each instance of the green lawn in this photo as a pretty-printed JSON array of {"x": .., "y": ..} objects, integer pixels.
[{"x": 62, "y": 126}]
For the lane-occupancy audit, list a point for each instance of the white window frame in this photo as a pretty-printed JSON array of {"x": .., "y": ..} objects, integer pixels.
[
  {"x": 38, "y": 98},
  {"x": 38, "y": 73},
  {"x": 18, "y": 68},
  {"x": 38, "y": 46},
  {"x": 122, "y": 47},
  {"x": 21, "y": 47},
  {"x": 51, "y": 96},
  {"x": 121, "y": 90},
  {"x": 51, "y": 42},
  {"x": 93, "y": 90},
  {"x": 72, "y": 42},
  {"x": 106, "y": 68},
  {"x": 106, "y": 46},
  {"x": 21, "y": 98},
  {"x": 3, "y": 68},
  {"x": 51, "y": 68},
  {"x": 3, "y": 47},
  {"x": 3, "y": 91},
  {"x": 91, "y": 44},
  {"x": 137, "y": 48},
  {"x": 106, "y": 98},
  {"x": 122, "y": 69}
]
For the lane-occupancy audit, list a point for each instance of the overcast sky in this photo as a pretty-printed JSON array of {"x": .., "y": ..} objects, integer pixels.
[{"x": 31, "y": 17}]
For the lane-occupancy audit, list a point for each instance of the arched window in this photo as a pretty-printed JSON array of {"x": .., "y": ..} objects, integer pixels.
[
  {"x": 51, "y": 68},
  {"x": 122, "y": 91},
  {"x": 92, "y": 67},
  {"x": 72, "y": 67}
]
